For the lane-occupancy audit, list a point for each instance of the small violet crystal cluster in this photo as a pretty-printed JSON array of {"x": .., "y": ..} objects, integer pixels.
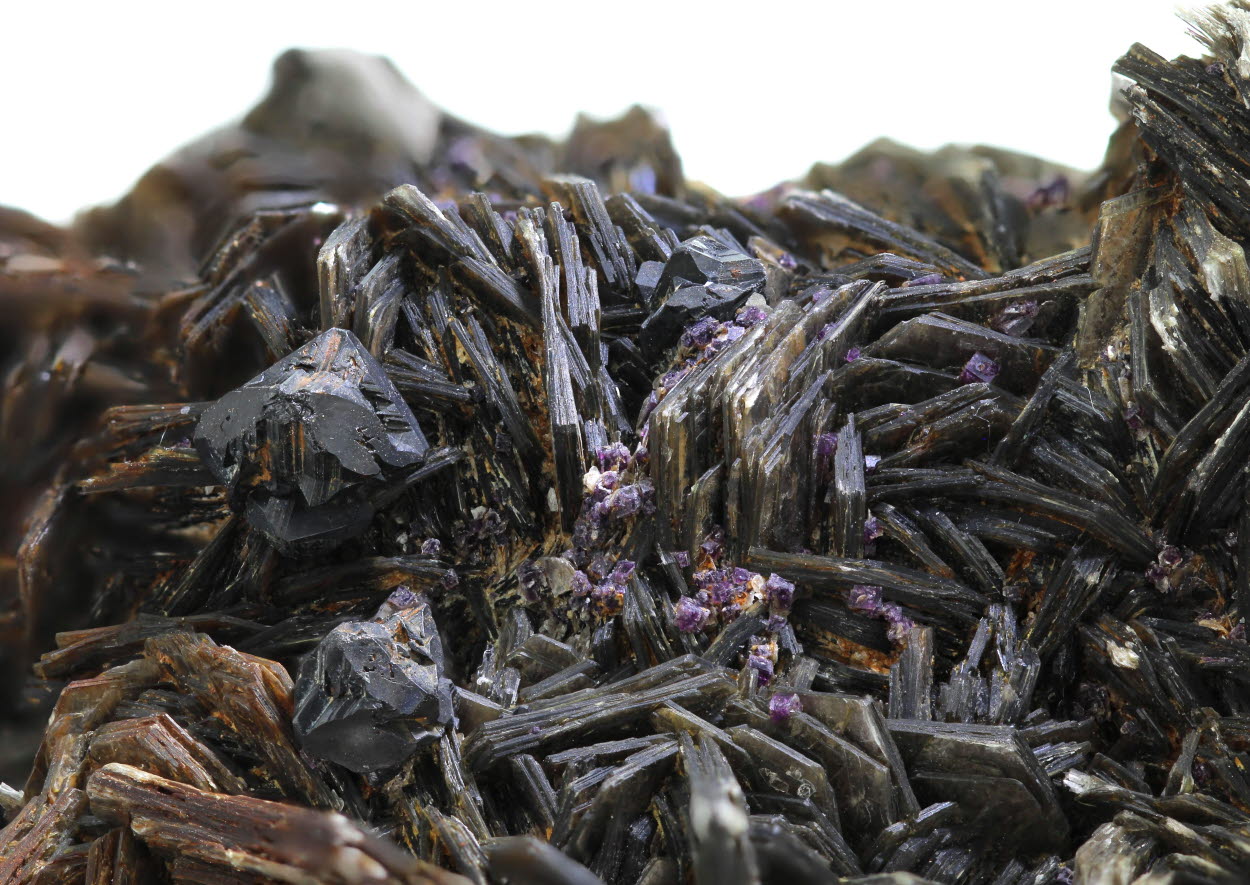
[
  {"x": 867, "y": 599},
  {"x": 699, "y": 343},
  {"x": 724, "y": 592},
  {"x": 617, "y": 488},
  {"x": 617, "y": 491}
]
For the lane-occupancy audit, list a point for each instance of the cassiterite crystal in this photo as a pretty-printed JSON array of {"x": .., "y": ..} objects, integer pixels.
[
  {"x": 375, "y": 690},
  {"x": 391, "y": 501},
  {"x": 298, "y": 447},
  {"x": 703, "y": 281}
]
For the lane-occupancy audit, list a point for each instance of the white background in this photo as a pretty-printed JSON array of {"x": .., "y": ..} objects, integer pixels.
[{"x": 754, "y": 92}]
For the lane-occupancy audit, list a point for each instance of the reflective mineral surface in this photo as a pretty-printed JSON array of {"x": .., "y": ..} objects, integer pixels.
[{"x": 390, "y": 501}]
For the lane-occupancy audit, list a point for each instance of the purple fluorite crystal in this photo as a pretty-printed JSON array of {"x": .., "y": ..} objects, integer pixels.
[
  {"x": 622, "y": 503},
  {"x": 621, "y": 572},
  {"x": 872, "y": 529},
  {"x": 1015, "y": 319},
  {"x": 899, "y": 625},
  {"x": 979, "y": 368},
  {"x": 1133, "y": 418},
  {"x": 864, "y": 598},
  {"x": 712, "y": 547},
  {"x": 782, "y": 706},
  {"x": 1054, "y": 193},
  {"x": 530, "y": 578},
  {"x": 780, "y": 593},
  {"x": 691, "y": 617},
  {"x": 760, "y": 659},
  {"x": 749, "y": 316},
  {"x": 700, "y": 334},
  {"x": 826, "y": 445},
  {"x": 867, "y": 599},
  {"x": 614, "y": 456}
]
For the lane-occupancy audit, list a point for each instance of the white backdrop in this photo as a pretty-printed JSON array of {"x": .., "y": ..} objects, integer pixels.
[{"x": 754, "y": 93}]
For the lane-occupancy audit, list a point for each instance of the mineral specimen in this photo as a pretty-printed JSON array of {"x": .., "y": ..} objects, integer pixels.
[
  {"x": 296, "y": 446},
  {"x": 374, "y": 691},
  {"x": 703, "y": 280},
  {"x": 890, "y": 526}
]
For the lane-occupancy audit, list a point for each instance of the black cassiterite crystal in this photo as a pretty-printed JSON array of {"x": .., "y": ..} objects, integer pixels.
[
  {"x": 375, "y": 690},
  {"x": 704, "y": 259},
  {"x": 703, "y": 278},
  {"x": 300, "y": 446}
]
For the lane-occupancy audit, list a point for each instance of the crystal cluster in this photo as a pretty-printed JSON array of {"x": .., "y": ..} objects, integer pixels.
[{"x": 392, "y": 501}]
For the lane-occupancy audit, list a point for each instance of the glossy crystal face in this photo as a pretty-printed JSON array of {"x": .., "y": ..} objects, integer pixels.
[{"x": 298, "y": 446}]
